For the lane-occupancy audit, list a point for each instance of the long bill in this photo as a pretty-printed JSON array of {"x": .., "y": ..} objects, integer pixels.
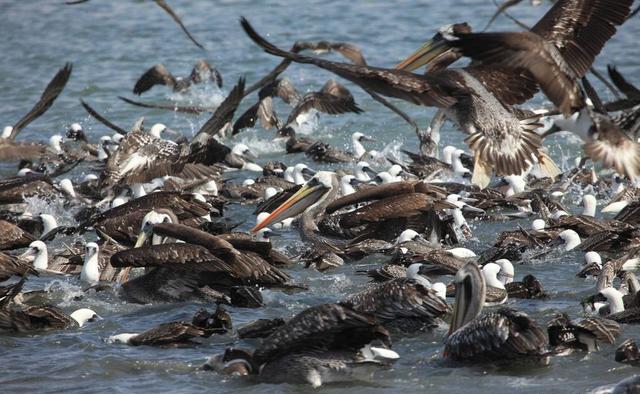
[
  {"x": 470, "y": 296},
  {"x": 308, "y": 195},
  {"x": 428, "y": 52}
]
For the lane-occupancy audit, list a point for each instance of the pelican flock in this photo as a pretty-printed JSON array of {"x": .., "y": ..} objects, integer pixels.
[{"x": 446, "y": 246}]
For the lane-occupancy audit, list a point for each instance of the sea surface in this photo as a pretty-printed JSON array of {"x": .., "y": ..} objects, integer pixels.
[{"x": 111, "y": 43}]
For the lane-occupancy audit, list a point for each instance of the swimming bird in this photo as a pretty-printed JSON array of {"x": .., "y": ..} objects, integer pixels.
[
  {"x": 322, "y": 344},
  {"x": 179, "y": 333},
  {"x": 584, "y": 335},
  {"x": 406, "y": 304},
  {"x": 159, "y": 75},
  {"x": 502, "y": 336},
  {"x": 90, "y": 273},
  {"x": 628, "y": 352},
  {"x": 617, "y": 310},
  {"x": 40, "y": 318}
]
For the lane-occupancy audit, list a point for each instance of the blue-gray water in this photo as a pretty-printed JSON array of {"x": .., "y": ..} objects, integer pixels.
[{"x": 111, "y": 43}]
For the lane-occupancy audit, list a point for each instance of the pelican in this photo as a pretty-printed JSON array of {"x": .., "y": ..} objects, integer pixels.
[{"x": 502, "y": 336}]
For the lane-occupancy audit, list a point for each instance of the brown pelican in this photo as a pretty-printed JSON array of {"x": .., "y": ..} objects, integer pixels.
[
  {"x": 310, "y": 202},
  {"x": 557, "y": 52},
  {"x": 159, "y": 75},
  {"x": 322, "y": 344},
  {"x": 263, "y": 109},
  {"x": 207, "y": 265},
  {"x": 584, "y": 335},
  {"x": 179, "y": 333},
  {"x": 333, "y": 98},
  {"x": 504, "y": 335},
  {"x": 162, "y": 4},
  {"x": 39, "y": 318},
  {"x": 123, "y": 222},
  {"x": 456, "y": 91},
  {"x": 13, "y": 237},
  {"x": 11, "y": 266},
  {"x": 411, "y": 303},
  {"x": 12, "y": 150}
]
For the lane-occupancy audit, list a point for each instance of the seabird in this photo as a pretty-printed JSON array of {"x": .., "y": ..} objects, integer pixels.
[
  {"x": 13, "y": 150},
  {"x": 505, "y": 335},
  {"x": 456, "y": 91},
  {"x": 159, "y": 75},
  {"x": 322, "y": 344},
  {"x": 584, "y": 335}
]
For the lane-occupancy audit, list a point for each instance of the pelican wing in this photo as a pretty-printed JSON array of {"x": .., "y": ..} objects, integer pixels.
[
  {"x": 51, "y": 92},
  {"x": 156, "y": 75},
  {"x": 163, "y": 4},
  {"x": 580, "y": 28},
  {"x": 502, "y": 335},
  {"x": 418, "y": 89},
  {"x": 102, "y": 119},
  {"x": 190, "y": 109},
  {"x": 324, "y": 326},
  {"x": 398, "y": 298},
  {"x": 168, "y": 334}
]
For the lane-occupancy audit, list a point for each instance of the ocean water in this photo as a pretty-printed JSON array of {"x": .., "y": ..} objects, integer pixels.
[{"x": 111, "y": 43}]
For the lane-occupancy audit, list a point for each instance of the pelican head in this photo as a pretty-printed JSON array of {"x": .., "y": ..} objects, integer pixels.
[
  {"x": 146, "y": 229},
  {"x": 308, "y": 196},
  {"x": 436, "y": 49},
  {"x": 470, "y": 294},
  {"x": 84, "y": 315}
]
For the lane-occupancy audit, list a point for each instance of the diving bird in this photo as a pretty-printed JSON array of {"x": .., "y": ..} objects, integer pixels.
[
  {"x": 473, "y": 97},
  {"x": 505, "y": 335},
  {"x": 159, "y": 75}
]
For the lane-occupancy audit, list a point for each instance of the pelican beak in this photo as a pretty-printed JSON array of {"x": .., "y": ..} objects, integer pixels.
[
  {"x": 308, "y": 195},
  {"x": 429, "y": 51},
  {"x": 457, "y": 313}
]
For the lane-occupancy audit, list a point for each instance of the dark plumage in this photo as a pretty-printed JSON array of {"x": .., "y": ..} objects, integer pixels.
[
  {"x": 159, "y": 75},
  {"x": 584, "y": 335}
]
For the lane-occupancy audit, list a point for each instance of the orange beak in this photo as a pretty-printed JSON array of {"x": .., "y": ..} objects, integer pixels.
[{"x": 308, "y": 195}]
